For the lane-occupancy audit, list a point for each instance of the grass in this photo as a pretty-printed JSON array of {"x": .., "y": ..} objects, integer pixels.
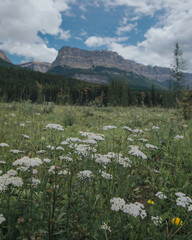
[{"x": 94, "y": 189}]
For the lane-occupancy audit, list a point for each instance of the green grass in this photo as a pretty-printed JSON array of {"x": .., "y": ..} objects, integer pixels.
[{"x": 50, "y": 204}]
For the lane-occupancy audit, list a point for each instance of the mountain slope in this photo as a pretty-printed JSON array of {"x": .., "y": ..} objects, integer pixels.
[
  {"x": 4, "y": 57},
  {"x": 37, "y": 66}
]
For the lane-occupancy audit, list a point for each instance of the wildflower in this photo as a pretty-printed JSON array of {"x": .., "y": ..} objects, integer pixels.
[
  {"x": 136, "y": 130},
  {"x": 105, "y": 175},
  {"x": 130, "y": 139},
  {"x": 2, "y": 162},
  {"x": 160, "y": 195},
  {"x": 73, "y": 140},
  {"x": 60, "y": 148},
  {"x": 22, "y": 124},
  {"x": 52, "y": 169},
  {"x": 109, "y": 127},
  {"x": 84, "y": 149},
  {"x": 177, "y": 221},
  {"x": 21, "y": 220},
  {"x": 4, "y": 145},
  {"x": 35, "y": 181},
  {"x": 156, "y": 220},
  {"x": 28, "y": 162},
  {"x": 25, "y": 136},
  {"x": 47, "y": 160},
  {"x": 135, "y": 209},
  {"x": 55, "y": 126},
  {"x": 103, "y": 159},
  {"x": 41, "y": 151},
  {"x": 67, "y": 159},
  {"x": 155, "y": 128},
  {"x": 143, "y": 140},
  {"x": 63, "y": 172},
  {"x": 150, "y": 202},
  {"x": 2, "y": 219},
  {"x": 127, "y": 128},
  {"x": 16, "y": 151},
  {"x": 105, "y": 227},
  {"x": 178, "y": 137},
  {"x": 190, "y": 208},
  {"x": 117, "y": 204},
  {"x": 183, "y": 201},
  {"x": 84, "y": 174},
  {"x": 150, "y": 146},
  {"x": 12, "y": 172},
  {"x": 136, "y": 152},
  {"x": 180, "y": 194},
  {"x": 93, "y": 136},
  {"x": 1, "y": 172},
  {"x": 51, "y": 147},
  {"x": 64, "y": 143}
]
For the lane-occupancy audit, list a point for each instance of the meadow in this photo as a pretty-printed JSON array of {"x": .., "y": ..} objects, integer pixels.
[{"x": 70, "y": 172}]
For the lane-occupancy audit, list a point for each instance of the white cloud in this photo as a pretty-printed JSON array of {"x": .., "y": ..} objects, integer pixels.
[
  {"x": 128, "y": 28},
  {"x": 173, "y": 24},
  {"x": 22, "y": 20},
  {"x": 64, "y": 35},
  {"x": 95, "y": 41}
]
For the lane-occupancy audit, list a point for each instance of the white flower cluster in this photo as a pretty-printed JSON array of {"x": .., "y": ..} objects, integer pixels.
[
  {"x": 25, "y": 136},
  {"x": 150, "y": 146},
  {"x": 50, "y": 147},
  {"x": 160, "y": 195},
  {"x": 4, "y": 145},
  {"x": 143, "y": 139},
  {"x": 155, "y": 128},
  {"x": 156, "y": 220},
  {"x": 2, "y": 219},
  {"x": 28, "y": 162},
  {"x": 47, "y": 160},
  {"x": 127, "y": 128},
  {"x": 136, "y": 152},
  {"x": 84, "y": 175},
  {"x": 53, "y": 169},
  {"x": 106, "y": 175},
  {"x": 55, "y": 126},
  {"x": 41, "y": 151},
  {"x": 135, "y": 209},
  {"x": 66, "y": 159},
  {"x": 103, "y": 159},
  {"x": 109, "y": 127},
  {"x": 12, "y": 172},
  {"x": 125, "y": 162},
  {"x": 104, "y": 226},
  {"x": 93, "y": 136},
  {"x": 7, "y": 179},
  {"x": 117, "y": 204},
  {"x": 84, "y": 150},
  {"x": 16, "y": 151},
  {"x": 63, "y": 172},
  {"x": 178, "y": 137},
  {"x": 35, "y": 181},
  {"x": 183, "y": 201}
]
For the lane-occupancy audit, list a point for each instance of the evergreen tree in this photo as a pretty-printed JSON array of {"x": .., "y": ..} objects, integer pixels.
[{"x": 178, "y": 67}]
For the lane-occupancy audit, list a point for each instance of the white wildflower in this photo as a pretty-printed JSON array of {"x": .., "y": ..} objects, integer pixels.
[
  {"x": 22, "y": 169},
  {"x": 109, "y": 127},
  {"x": 105, "y": 227},
  {"x": 16, "y": 151},
  {"x": 63, "y": 172},
  {"x": 150, "y": 146},
  {"x": 66, "y": 159},
  {"x": 84, "y": 175},
  {"x": 117, "y": 204},
  {"x": 35, "y": 181},
  {"x": 53, "y": 169},
  {"x": 51, "y": 147},
  {"x": 135, "y": 209},
  {"x": 28, "y": 162},
  {"x": 12, "y": 172},
  {"x": 2, "y": 162},
  {"x": 25, "y": 136},
  {"x": 73, "y": 140},
  {"x": 136, "y": 152},
  {"x": 84, "y": 149},
  {"x": 2, "y": 219},
  {"x": 59, "y": 148},
  {"x": 55, "y": 126},
  {"x": 143, "y": 140},
  {"x": 64, "y": 143},
  {"x": 160, "y": 195},
  {"x": 178, "y": 137},
  {"x": 22, "y": 125},
  {"x": 103, "y": 159},
  {"x": 183, "y": 201},
  {"x": 130, "y": 139},
  {"x": 1, "y": 172},
  {"x": 156, "y": 220},
  {"x": 47, "y": 160},
  {"x": 127, "y": 128},
  {"x": 4, "y": 145},
  {"x": 155, "y": 128},
  {"x": 105, "y": 175},
  {"x": 190, "y": 208},
  {"x": 180, "y": 194},
  {"x": 41, "y": 151}
]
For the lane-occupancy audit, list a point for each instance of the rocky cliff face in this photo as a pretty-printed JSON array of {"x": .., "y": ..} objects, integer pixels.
[
  {"x": 4, "y": 56},
  {"x": 77, "y": 58},
  {"x": 37, "y": 66}
]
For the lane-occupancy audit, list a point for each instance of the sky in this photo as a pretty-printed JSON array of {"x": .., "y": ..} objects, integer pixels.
[{"x": 144, "y": 31}]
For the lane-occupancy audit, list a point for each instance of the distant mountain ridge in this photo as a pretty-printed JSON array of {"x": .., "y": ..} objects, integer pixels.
[{"x": 37, "y": 66}]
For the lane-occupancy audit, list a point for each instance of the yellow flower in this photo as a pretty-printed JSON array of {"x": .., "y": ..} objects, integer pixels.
[
  {"x": 150, "y": 202},
  {"x": 177, "y": 221}
]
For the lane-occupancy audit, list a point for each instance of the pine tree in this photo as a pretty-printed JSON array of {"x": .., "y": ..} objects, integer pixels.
[{"x": 178, "y": 67}]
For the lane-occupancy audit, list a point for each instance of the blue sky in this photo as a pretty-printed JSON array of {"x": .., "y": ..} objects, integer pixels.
[{"x": 144, "y": 31}]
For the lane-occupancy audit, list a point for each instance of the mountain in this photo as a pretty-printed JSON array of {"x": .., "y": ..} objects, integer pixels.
[
  {"x": 75, "y": 58},
  {"x": 4, "y": 57},
  {"x": 37, "y": 66}
]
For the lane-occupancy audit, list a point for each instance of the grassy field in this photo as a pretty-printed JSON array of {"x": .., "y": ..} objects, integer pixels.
[{"x": 69, "y": 172}]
